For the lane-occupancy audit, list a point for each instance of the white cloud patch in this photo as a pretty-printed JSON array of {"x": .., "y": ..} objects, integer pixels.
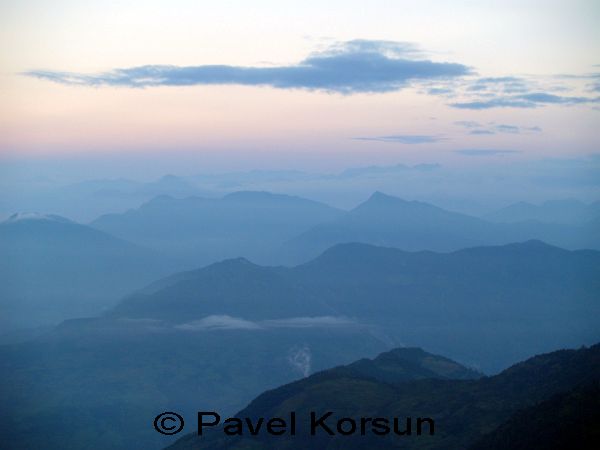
[
  {"x": 309, "y": 322},
  {"x": 301, "y": 359},
  {"x": 491, "y": 128},
  {"x": 225, "y": 322},
  {"x": 219, "y": 322}
]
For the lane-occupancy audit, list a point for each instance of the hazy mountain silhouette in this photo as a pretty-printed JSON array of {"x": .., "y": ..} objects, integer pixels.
[
  {"x": 557, "y": 211},
  {"x": 410, "y": 225},
  {"x": 466, "y": 304},
  {"x": 86, "y": 200},
  {"x": 464, "y": 410},
  {"x": 168, "y": 185},
  {"x": 53, "y": 268},
  {"x": 203, "y": 230},
  {"x": 233, "y": 287}
]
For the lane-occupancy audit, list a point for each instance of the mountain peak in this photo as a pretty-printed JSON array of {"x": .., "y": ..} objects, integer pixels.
[
  {"x": 378, "y": 199},
  {"x": 380, "y": 196},
  {"x": 393, "y": 365},
  {"x": 234, "y": 263},
  {"x": 381, "y": 200},
  {"x": 534, "y": 244}
]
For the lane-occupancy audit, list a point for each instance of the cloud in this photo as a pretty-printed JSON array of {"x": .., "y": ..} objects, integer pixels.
[
  {"x": 543, "y": 97},
  {"x": 404, "y": 138},
  {"x": 508, "y": 84},
  {"x": 476, "y": 128},
  {"x": 513, "y": 129},
  {"x": 468, "y": 124},
  {"x": 225, "y": 322},
  {"x": 494, "y": 80},
  {"x": 219, "y": 322},
  {"x": 594, "y": 87},
  {"x": 357, "y": 66},
  {"x": 381, "y": 171},
  {"x": 440, "y": 91},
  {"x": 478, "y": 93},
  {"x": 530, "y": 100},
  {"x": 485, "y": 152},
  {"x": 309, "y": 322},
  {"x": 301, "y": 359},
  {"x": 348, "y": 67},
  {"x": 494, "y": 103},
  {"x": 593, "y": 79}
]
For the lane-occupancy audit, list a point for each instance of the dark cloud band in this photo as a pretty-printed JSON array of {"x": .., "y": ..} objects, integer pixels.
[{"x": 350, "y": 67}]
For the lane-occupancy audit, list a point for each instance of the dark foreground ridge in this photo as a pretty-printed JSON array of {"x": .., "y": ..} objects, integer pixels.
[
  {"x": 567, "y": 420},
  {"x": 557, "y": 388}
]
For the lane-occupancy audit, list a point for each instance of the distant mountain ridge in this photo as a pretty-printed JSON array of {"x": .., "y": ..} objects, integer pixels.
[
  {"x": 531, "y": 293},
  {"x": 410, "y": 225},
  {"x": 88, "y": 199},
  {"x": 53, "y": 268},
  {"x": 204, "y": 230},
  {"x": 571, "y": 212},
  {"x": 280, "y": 229}
]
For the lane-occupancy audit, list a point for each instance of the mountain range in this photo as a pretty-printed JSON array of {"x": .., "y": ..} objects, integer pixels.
[
  {"x": 88, "y": 199},
  {"x": 216, "y": 337},
  {"x": 469, "y": 304},
  {"x": 389, "y": 273},
  {"x": 204, "y": 230},
  {"x": 281, "y": 229},
  {"x": 410, "y": 225},
  {"x": 92, "y": 266}
]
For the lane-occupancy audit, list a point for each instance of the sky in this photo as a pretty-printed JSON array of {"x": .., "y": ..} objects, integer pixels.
[{"x": 188, "y": 86}]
